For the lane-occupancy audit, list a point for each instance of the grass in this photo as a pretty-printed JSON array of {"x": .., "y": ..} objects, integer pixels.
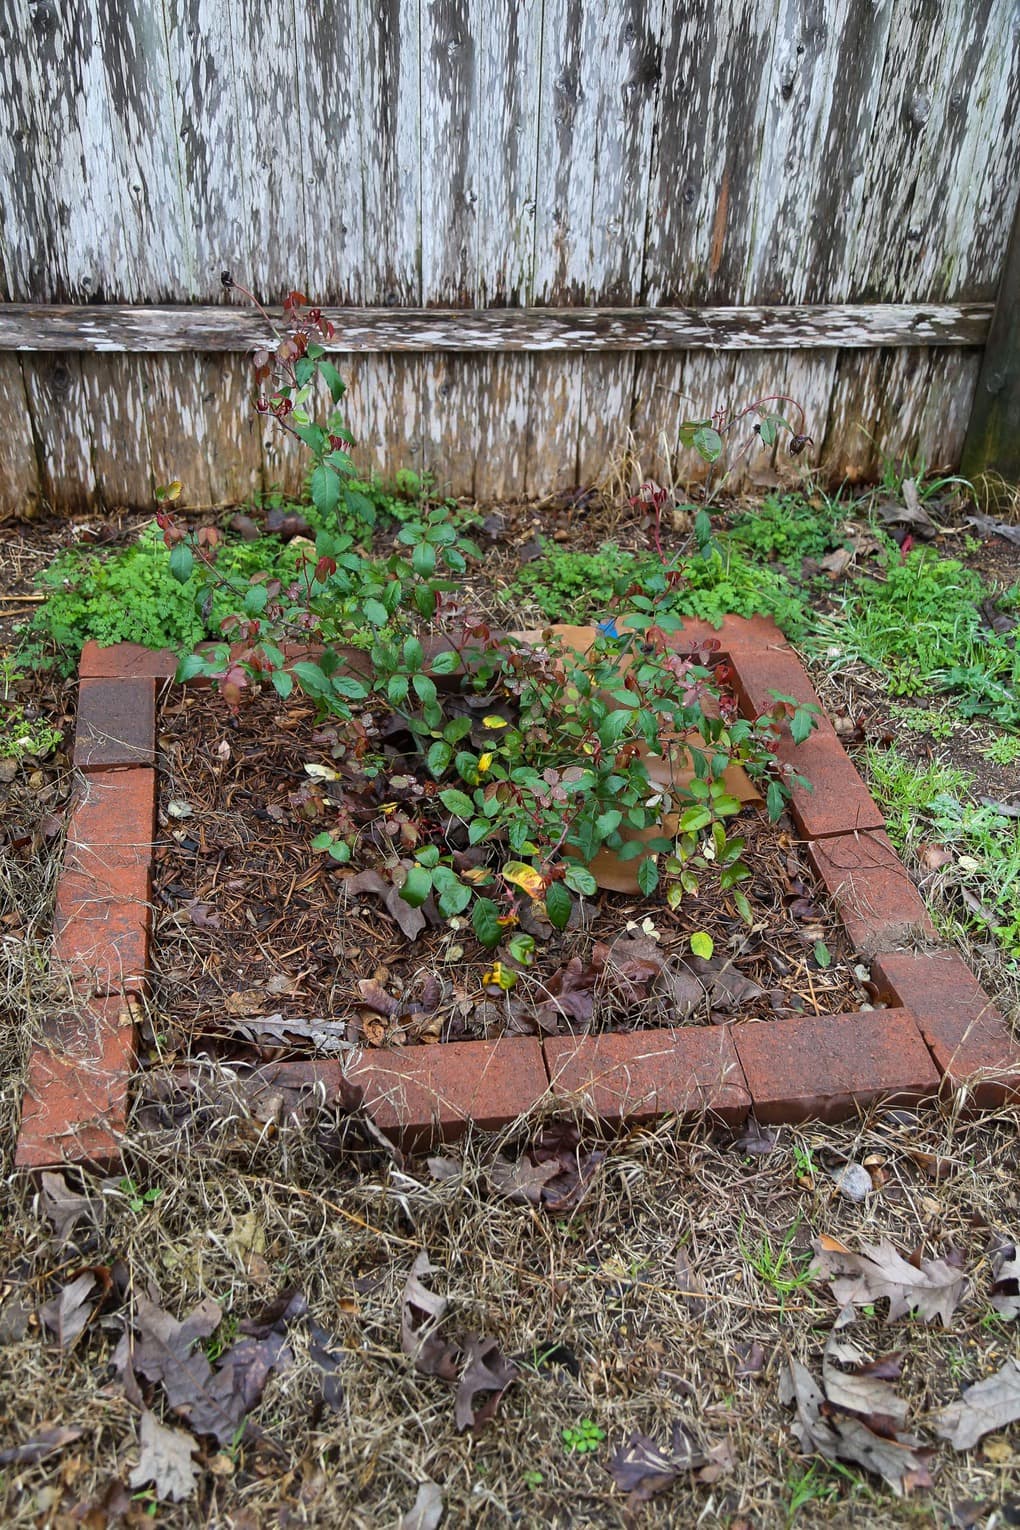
[
  {"x": 634, "y": 1313},
  {"x": 931, "y": 807}
]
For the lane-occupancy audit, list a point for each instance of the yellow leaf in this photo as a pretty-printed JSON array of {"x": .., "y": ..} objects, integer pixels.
[
  {"x": 484, "y": 762},
  {"x": 170, "y": 490},
  {"x": 499, "y": 977},
  {"x": 494, "y": 721},
  {"x": 525, "y": 877}
]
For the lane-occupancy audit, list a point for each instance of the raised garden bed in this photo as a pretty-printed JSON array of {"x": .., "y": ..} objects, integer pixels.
[{"x": 938, "y": 1032}]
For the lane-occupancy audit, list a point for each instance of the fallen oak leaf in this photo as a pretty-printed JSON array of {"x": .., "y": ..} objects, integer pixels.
[
  {"x": 63, "y": 1207},
  {"x": 411, "y": 920},
  {"x": 932, "y": 1289},
  {"x": 985, "y": 1407},
  {"x": 522, "y": 1181},
  {"x": 67, "y": 1313},
  {"x": 487, "y": 1369},
  {"x": 165, "y": 1460},
  {"x": 641, "y": 1468},
  {"x": 901, "y": 1461},
  {"x": 1005, "y": 1293},
  {"x": 865, "y": 1389},
  {"x": 427, "y": 1511},
  {"x": 421, "y": 1313}
]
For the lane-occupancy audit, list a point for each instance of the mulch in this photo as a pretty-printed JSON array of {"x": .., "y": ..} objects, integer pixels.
[{"x": 264, "y": 948}]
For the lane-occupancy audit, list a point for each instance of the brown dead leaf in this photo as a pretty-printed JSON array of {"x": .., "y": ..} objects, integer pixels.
[
  {"x": 67, "y": 1313},
  {"x": 63, "y": 1207},
  {"x": 642, "y": 1468},
  {"x": 410, "y": 920},
  {"x": 487, "y": 1370},
  {"x": 931, "y": 1290},
  {"x": 522, "y": 1181},
  {"x": 41, "y": 1445},
  {"x": 1005, "y": 1294},
  {"x": 421, "y": 1313},
  {"x": 375, "y": 997},
  {"x": 427, "y": 1511},
  {"x": 165, "y": 1460},
  {"x": 865, "y": 1388},
  {"x": 837, "y": 563},
  {"x": 985, "y": 1407},
  {"x": 899, "y": 1460},
  {"x": 211, "y": 1402}
]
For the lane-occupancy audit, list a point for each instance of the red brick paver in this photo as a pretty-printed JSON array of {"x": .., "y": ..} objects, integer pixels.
[
  {"x": 832, "y": 1066},
  {"x": 75, "y": 1105},
  {"x": 423, "y": 1094},
  {"x": 968, "y": 1038},
  {"x": 871, "y": 888},
  {"x": 116, "y": 724},
  {"x": 126, "y": 661},
  {"x": 638, "y": 1075},
  {"x": 101, "y": 920}
]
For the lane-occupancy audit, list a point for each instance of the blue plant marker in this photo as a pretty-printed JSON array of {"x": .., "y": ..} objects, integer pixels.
[{"x": 608, "y": 628}]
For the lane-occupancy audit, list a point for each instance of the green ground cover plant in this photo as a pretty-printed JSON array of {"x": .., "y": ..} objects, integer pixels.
[
  {"x": 921, "y": 624},
  {"x": 969, "y": 851}
]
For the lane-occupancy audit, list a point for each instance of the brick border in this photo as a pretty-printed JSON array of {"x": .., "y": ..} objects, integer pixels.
[{"x": 941, "y": 1035}]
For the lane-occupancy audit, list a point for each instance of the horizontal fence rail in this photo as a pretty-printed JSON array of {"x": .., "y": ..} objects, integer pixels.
[{"x": 858, "y": 326}]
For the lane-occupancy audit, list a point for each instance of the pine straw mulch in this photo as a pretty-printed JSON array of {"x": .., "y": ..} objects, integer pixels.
[{"x": 257, "y": 937}]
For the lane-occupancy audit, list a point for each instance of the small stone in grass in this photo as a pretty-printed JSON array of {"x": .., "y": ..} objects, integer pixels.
[{"x": 853, "y": 1181}]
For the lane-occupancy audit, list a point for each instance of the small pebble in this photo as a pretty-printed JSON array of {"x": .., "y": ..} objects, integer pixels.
[{"x": 853, "y": 1181}]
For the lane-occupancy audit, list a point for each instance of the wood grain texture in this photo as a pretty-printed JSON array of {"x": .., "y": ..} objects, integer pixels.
[
  {"x": 20, "y": 485},
  {"x": 189, "y": 329},
  {"x": 63, "y": 429},
  {"x": 993, "y": 432}
]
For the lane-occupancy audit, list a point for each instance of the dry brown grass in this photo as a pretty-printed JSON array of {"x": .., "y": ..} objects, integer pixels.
[
  {"x": 654, "y": 1288},
  {"x": 656, "y": 1285}
]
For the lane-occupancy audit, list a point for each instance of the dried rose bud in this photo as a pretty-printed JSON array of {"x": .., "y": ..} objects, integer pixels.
[
  {"x": 226, "y": 279},
  {"x": 798, "y": 443}
]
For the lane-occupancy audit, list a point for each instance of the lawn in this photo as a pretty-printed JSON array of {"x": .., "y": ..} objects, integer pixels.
[{"x": 547, "y": 1327}]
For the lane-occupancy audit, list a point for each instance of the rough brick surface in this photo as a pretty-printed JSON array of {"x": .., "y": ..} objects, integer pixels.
[
  {"x": 75, "y": 1104},
  {"x": 116, "y": 724},
  {"x": 839, "y": 801},
  {"x": 970, "y": 1041},
  {"x": 872, "y": 890},
  {"x": 828, "y": 1068},
  {"x": 424, "y": 1094},
  {"x": 101, "y": 918},
  {"x": 637, "y": 1075},
  {"x": 126, "y": 661}
]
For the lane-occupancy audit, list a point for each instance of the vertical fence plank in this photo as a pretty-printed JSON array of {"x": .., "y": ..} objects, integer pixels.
[
  {"x": 215, "y": 157},
  {"x": 600, "y": 84},
  {"x": 508, "y": 70},
  {"x": 449, "y": 143},
  {"x": 115, "y": 392},
  {"x": 551, "y": 451},
  {"x": 20, "y": 486},
  {"x": 604, "y": 414},
  {"x": 708, "y": 148},
  {"x": 993, "y": 434},
  {"x": 59, "y": 409},
  {"x": 233, "y": 429},
  {"x": 337, "y": 156},
  {"x": 503, "y": 410},
  {"x": 391, "y": 150}
]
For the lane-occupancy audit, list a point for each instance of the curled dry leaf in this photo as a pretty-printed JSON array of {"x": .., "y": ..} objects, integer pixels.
[
  {"x": 641, "y": 1468},
  {"x": 410, "y": 920},
  {"x": 427, "y": 1511},
  {"x": 1005, "y": 1293},
  {"x": 64, "y": 1208},
  {"x": 932, "y": 1289},
  {"x": 487, "y": 1371},
  {"x": 165, "y": 1460},
  {"x": 872, "y": 1441},
  {"x": 41, "y": 1445},
  {"x": 474, "y": 1365},
  {"x": 522, "y": 1181},
  {"x": 983, "y": 1408},
  {"x": 67, "y": 1313}
]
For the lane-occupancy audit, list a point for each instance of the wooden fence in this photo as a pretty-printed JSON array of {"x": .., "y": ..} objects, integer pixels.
[{"x": 553, "y": 229}]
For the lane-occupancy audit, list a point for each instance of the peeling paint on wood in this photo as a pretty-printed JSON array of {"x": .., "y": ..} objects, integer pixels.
[
  {"x": 187, "y": 329},
  {"x": 583, "y": 201}
]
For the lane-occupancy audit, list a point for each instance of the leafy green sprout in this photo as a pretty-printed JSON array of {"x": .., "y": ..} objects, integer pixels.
[
  {"x": 138, "y": 1200},
  {"x": 583, "y": 1437}
]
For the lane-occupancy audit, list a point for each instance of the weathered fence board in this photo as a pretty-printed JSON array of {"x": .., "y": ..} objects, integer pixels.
[
  {"x": 226, "y": 328},
  {"x": 597, "y": 207}
]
